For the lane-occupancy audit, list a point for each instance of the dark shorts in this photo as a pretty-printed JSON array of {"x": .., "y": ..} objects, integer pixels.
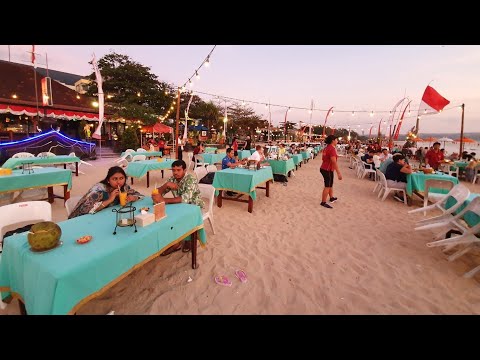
[
  {"x": 235, "y": 153},
  {"x": 327, "y": 177}
]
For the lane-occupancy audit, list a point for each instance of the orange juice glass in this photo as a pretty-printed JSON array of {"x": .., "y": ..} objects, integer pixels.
[{"x": 123, "y": 198}]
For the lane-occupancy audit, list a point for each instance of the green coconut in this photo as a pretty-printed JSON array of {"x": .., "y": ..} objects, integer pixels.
[{"x": 44, "y": 235}]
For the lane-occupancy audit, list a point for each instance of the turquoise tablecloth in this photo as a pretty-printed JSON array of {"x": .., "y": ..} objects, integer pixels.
[
  {"x": 243, "y": 154},
  {"x": 416, "y": 182},
  {"x": 60, "y": 159},
  {"x": 282, "y": 167},
  {"x": 305, "y": 155},
  {"x": 210, "y": 150},
  {"x": 213, "y": 158},
  {"x": 55, "y": 282},
  {"x": 252, "y": 151},
  {"x": 39, "y": 178},
  {"x": 241, "y": 180},
  {"x": 140, "y": 168},
  {"x": 297, "y": 158},
  {"x": 146, "y": 153}
]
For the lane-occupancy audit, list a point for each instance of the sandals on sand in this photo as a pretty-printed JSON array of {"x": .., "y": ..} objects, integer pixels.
[
  {"x": 241, "y": 275},
  {"x": 172, "y": 249},
  {"x": 186, "y": 246},
  {"x": 223, "y": 280}
]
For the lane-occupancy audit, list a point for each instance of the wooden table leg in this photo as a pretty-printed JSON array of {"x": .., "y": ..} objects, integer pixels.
[
  {"x": 50, "y": 194},
  {"x": 21, "y": 306},
  {"x": 76, "y": 168},
  {"x": 268, "y": 188},
  {"x": 131, "y": 179},
  {"x": 148, "y": 179},
  {"x": 193, "y": 248},
  {"x": 162, "y": 174},
  {"x": 250, "y": 204},
  {"x": 220, "y": 198},
  {"x": 66, "y": 193}
]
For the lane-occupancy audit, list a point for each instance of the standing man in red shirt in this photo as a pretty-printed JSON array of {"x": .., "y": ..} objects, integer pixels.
[
  {"x": 329, "y": 165},
  {"x": 434, "y": 156}
]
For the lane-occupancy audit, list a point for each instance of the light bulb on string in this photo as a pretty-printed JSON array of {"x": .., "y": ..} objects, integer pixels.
[
  {"x": 371, "y": 114},
  {"x": 190, "y": 82},
  {"x": 243, "y": 102},
  {"x": 197, "y": 76},
  {"x": 207, "y": 62},
  {"x": 353, "y": 113}
]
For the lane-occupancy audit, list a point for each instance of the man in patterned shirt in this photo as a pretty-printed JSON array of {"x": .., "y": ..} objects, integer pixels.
[{"x": 184, "y": 188}]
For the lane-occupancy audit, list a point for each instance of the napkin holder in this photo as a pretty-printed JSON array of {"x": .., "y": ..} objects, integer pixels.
[{"x": 145, "y": 219}]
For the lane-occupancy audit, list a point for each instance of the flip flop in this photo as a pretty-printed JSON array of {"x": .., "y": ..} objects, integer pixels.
[
  {"x": 223, "y": 280},
  {"x": 171, "y": 249},
  {"x": 241, "y": 275}
]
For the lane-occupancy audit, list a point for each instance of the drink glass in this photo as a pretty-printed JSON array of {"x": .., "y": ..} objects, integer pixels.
[{"x": 123, "y": 198}]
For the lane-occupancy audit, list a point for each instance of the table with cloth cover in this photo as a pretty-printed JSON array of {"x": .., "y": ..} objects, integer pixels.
[
  {"x": 148, "y": 154},
  {"x": 282, "y": 167},
  {"x": 243, "y": 154},
  {"x": 416, "y": 182},
  {"x": 242, "y": 181},
  {"x": 210, "y": 150},
  {"x": 297, "y": 159},
  {"x": 138, "y": 169},
  {"x": 49, "y": 160},
  {"x": 213, "y": 158},
  {"x": 39, "y": 178},
  {"x": 62, "y": 280}
]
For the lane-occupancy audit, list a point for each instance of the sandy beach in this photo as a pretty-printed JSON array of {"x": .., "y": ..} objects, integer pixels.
[{"x": 362, "y": 257}]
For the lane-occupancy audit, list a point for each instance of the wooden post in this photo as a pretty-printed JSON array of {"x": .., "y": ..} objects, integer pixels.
[
  {"x": 177, "y": 124},
  {"x": 461, "y": 131}
]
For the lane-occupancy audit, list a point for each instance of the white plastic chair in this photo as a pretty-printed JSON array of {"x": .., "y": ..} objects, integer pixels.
[
  {"x": 477, "y": 175},
  {"x": 7, "y": 198},
  {"x": 71, "y": 203},
  {"x": 129, "y": 150},
  {"x": 211, "y": 168},
  {"x": 139, "y": 158},
  {"x": 459, "y": 192},
  {"x": 72, "y": 166},
  {"x": 22, "y": 155},
  {"x": 200, "y": 172},
  {"x": 20, "y": 213},
  {"x": 189, "y": 160},
  {"x": 46, "y": 154},
  {"x": 436, "y": 184},
  {"x": 208, "y": 192},
  {"x": 199, "y": 161},
  {"x": 141, "y": 150},
  {"x": 386, "y": 189},
  {"x": 125, "y": 159},
  {"x": 378, "y": 183}
]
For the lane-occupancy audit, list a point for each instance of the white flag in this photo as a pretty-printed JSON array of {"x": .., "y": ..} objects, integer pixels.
[{"x": 98, "y": 132}]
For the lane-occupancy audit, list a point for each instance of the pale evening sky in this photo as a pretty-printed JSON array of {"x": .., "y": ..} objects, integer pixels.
[{"x": 348, "y": 77}]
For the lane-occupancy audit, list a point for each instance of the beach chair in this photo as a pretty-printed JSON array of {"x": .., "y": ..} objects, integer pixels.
[
  {"x": 445, "y": 184},
  {"x": 386, "y": 189},
  {"x": 477, "y": 175},
  {"x": 24, "y": 212},
  {"x": 378, "y": 183},
  {"x": 208, "y": 193},
  {"x": 459, "y": 193}
]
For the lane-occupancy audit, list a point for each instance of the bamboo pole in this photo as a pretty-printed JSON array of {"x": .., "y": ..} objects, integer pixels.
[
  {"x": 177, "y": 124},
  {"x": 461, "y": 131}
]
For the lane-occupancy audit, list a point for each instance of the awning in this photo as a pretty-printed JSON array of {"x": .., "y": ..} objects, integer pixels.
[
  {"x": 57, "y": 114},
  {"x": 158, "y": 128}
]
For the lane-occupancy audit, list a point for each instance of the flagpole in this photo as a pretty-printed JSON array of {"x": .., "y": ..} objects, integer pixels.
[
  {"x": 177, "y": 124},
  {"x": 461, "y": 131}
]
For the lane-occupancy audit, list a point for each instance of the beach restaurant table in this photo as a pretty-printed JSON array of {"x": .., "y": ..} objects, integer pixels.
[
  {"x": 242, "y": 181},
  {"x": 282, "y": 167},
  {"x": 243, "y": 154},
  {"x": 139, "y": 168},
  {"x": 44, "y": 177},
  {"x": 49, "y": 160},
  {"x": 297, "y": 159},
  {"x": 210, "y": 150},
  {"x": 416, "y": 182},
  {"x": 148, "y": 154},
  {"x": 213, "y": 158},
  {"x": 62, "y": 280}
]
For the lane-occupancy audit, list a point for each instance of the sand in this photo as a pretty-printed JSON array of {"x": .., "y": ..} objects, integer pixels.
[{"x": 362, "y": 257}]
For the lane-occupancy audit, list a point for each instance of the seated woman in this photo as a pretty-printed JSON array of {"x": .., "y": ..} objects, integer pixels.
[
  {"x": 199, "y": 149},
  {"x": 105, "y": 193}
]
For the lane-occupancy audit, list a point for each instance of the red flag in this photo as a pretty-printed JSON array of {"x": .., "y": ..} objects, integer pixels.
[
  {"x": 432, "y": 101},
  {"x": 33, "y": 55}
]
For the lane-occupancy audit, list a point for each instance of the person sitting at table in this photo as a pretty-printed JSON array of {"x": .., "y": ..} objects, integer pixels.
[
  {"x": 105, "y": 193},
  {"x": 282, "y": 151},
  {"x": 229, "y": 160},
  {"x": 470, "y": 169},
  {"x": 453, "y": 156},
  {"x": 434, "y": 156},
  {"x": 292, "y": 150},
  {"x": 199, "y": 149},
  {"x": 396, "y": 174},
  {"x": 184, "y": 188},
  {"x": 385, "y": 163}
]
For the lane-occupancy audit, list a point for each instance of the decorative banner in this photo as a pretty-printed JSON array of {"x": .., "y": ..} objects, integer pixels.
[
  {"x": 432, "y": 100},
  {"x": 98, "y": 132},
  {"x": 187, "y": 118},
  {"x": 397, "y": 131},
  {"x": 326, "y": 117},
  {"x": 370, "y": 133}
]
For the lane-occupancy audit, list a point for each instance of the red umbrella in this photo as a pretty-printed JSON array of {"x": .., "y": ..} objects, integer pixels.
[
  {"x": 158, "y": 128},
  {"x": 466, "y": 140}
]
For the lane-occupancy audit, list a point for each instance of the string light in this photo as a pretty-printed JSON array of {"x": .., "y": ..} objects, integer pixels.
[{"x": 196, "y": 75}]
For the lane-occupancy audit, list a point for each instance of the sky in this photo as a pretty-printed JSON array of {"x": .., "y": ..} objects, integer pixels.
[{"x": 349, "y": 78}]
